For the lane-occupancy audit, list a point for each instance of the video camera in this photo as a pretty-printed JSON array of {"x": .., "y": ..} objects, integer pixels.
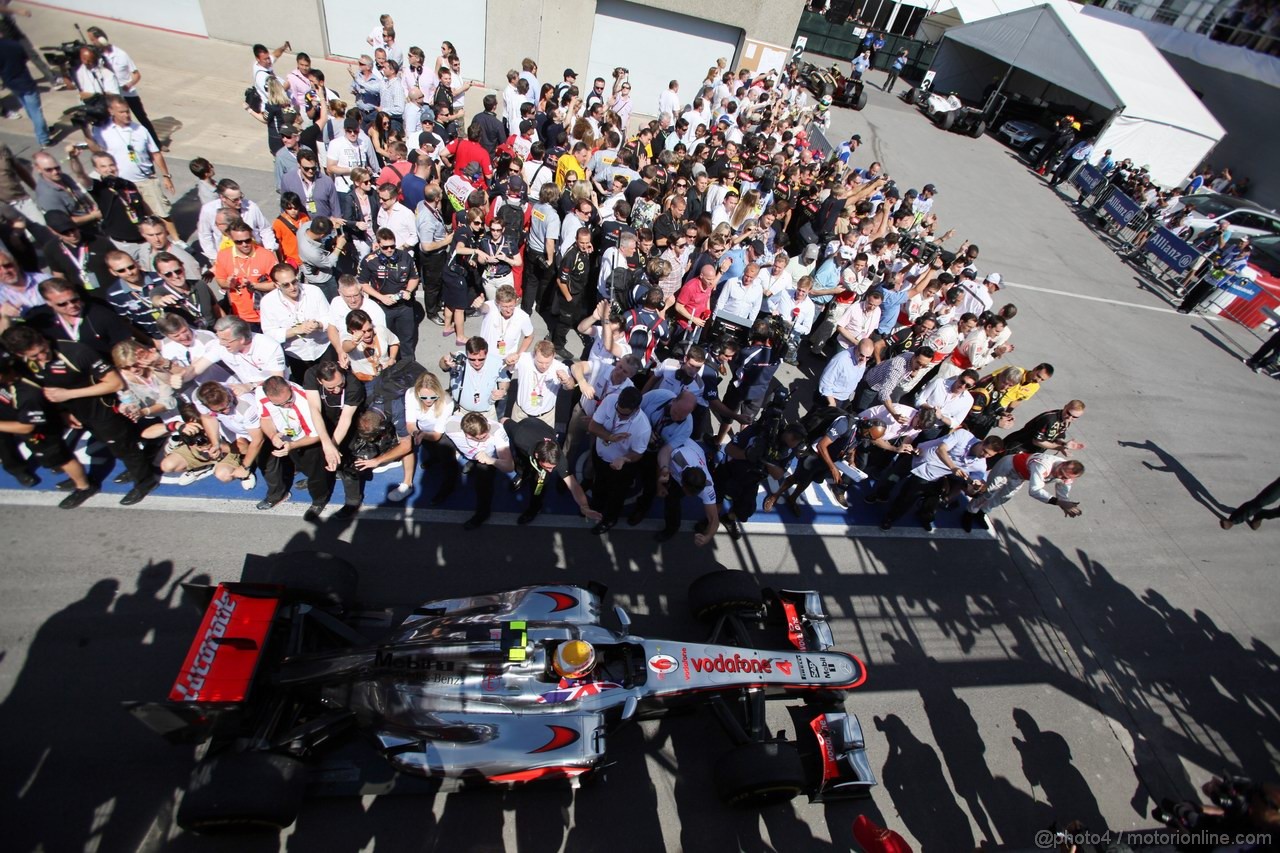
[{"x": 917, "y": 250}]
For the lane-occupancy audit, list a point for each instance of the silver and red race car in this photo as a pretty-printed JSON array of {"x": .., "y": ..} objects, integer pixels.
[{"x": 463, "y": 692}]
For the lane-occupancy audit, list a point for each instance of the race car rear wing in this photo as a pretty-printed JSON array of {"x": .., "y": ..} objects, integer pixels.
[
  {"x": 805, "y": 619},
  {"x": 217, "y": 675}
]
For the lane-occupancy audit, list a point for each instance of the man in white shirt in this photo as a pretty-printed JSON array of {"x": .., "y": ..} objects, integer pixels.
[
  {"x": 369, "y": 349},
  {"x": 669, "y": 101},
  {"x": 253, "y": 358},
  {"x": 127, "y": 75},
  {"x": 541, "y": 378},
  {"x": 950, "y": 398},
  {"x": 186, "y": 346},
  {"x": 621, "y": 432},
  {"x": 485, "y": 446},
  {"x": 264, "y": 67},
  {"x": 231, "y": 198},
  {"x": 511, "y": 101},
  {"x": 137, "y": 156},
  {"x": 227, "y": 417},
  {"x": 976, "y": 298},
  {"x": 397, "y": 218},
  {"x": 506, "y": 327},
  {"x": 297, "y": 316},
  {"x": 741, "y": 297},
  {"x": 289, "y": 425},
  {"x": 683, "y": 470},
  {"x": 1050, "y": 476},
  {"x": 351, "y": 297},
  {"x": 347, "y": 152},
  {"x": 959, "y": 454}
]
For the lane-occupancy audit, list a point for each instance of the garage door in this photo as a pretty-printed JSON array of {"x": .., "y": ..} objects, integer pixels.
[
  {"x": 658, "y": 46},
  {"x": 418, "y": 22}
]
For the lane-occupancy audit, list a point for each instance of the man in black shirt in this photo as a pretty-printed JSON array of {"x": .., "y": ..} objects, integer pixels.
[
  {"x": 79, "y": 258},
  {"x": 390, "y": 276},
  {"x": 492, "y": 133},
  {"x": 27, "y": 417},
  {"x": 119, "y": 200},
  {"x": 336, "y": 397},
  {"x": 1046, "y": 431},
  {"x": 572, "y": 284},
  {"x": 191, "y": 299},
  {"x": 539, "y": 460},
  {"x": 84, "y": 386},
  {"x": 68, "y": 316},
  {"x": 751, "y": 457}
]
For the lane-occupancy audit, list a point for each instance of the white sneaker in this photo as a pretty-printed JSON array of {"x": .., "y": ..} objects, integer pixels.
[
  {"x": 249, "y": 482},
  {"x": 186, "y": 478},
  {"x": 399, "y": 493}
]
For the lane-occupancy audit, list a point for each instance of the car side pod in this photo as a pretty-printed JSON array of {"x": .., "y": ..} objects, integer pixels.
[{"x": 840, "y": 767}]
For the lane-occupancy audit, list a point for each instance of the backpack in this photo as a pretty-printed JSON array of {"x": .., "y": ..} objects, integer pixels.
[
  {"x": 512, "y": 218},
  {"x": 642, "y": 333},
  {"x": 392, "y": 383},
  {"x": 252, "y": 99},
  {"x": 817, "y": 421}
]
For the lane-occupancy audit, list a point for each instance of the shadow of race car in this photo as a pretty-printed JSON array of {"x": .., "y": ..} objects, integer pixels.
[
  {"x": 831, "y": 83},
  {"x": 293, "y": 691}
]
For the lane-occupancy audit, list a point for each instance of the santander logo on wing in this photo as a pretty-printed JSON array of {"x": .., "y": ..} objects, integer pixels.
[{"x": 662, "y": 664}]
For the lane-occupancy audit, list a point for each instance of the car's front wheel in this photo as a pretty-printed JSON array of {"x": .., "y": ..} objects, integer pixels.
[
  {"x": 243, "y": 791},
  {"x": 728, "y": 591},
  {"x": 755, "y": 775}
]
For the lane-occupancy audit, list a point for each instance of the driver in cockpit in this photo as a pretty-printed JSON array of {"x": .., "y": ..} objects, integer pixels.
[{"x": 574, "y": 660}]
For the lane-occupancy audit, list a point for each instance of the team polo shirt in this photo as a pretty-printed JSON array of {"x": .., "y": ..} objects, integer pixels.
[
  {"x": 260, "y": 360},
  {"x": 538, "y": 389},
  {"x": 663, "y": 428},
  {"x": 688, "y": 454},
  {"x": 469, "y": 447},
  {"x": 636, "y": 427},
  {"x": 960, "y": 445},
  {"x": 246, "y": 416},
  {"x": 504, "y": 334},
  {"x": 293, "y": 420},
  {"x": 279, "y": 315}
]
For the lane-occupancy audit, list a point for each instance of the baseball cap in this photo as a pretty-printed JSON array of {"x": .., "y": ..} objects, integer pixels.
[
  {"x": 526, "y": 126},
  {"x": 855, "y": 138},
  {"x": 569, "y": 72},
  {"x": 892, "y": 192},
  {"x": 847, "y": 252},
  {"x": 288, "y": 130},
  {"x": 929, "y": 188},
  {"x": 60, "y": 221},
  {"x": 994, "y": 278},
  {"x": 428, "y": 138},
  {"x": 757, "y": 246},
  {"x": 810, "y": 253},
  {"x": 515, "y": 185}
]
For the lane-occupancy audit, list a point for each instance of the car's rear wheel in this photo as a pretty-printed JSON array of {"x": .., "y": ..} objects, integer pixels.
[
  {"x": 315, "y": 577},
  {"x": 237, "y": 792},
  {"x": 861, "y": 101},
  {"x": 755, "y": 775},
  {"x": 947, "y": 119},
  {"x": 978, "y": 129},
  {"x": 727, "y": 591}
]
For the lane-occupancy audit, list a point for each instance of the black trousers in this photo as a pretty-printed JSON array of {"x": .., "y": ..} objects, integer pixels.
[
  {"x": 898, "y": 469},
  {"x": 1257, "y": 507},
  {"x": 483, "y": 477},
  {"x": 442, "y": 453},
  {"x": 402, "y": 320},
  {"x": 1197, "y": 294},
  {"x": 298, "y": 368},
  {"x": 561, "y": 321},
  {"x": 432, "y": 276},
  {"x": 928, "y": 492},
  {"x": 672, "y": 506},
  {"x": 120, "y": 435},
  {"x": 309, "y": 460},
  {"x": 140, "y": 114},
  {"x": 538, "y": 275},
  {"x": 611, "y": 487},
  {"x": 647, "y": 471},
  {"x": 1266, "y": 352},
  {"x": 739, "y": 482}
]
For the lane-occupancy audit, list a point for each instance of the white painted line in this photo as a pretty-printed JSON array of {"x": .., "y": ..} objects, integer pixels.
[
  {"x": 295, "y": 509},
  {"x": 1211, "y": 317}
]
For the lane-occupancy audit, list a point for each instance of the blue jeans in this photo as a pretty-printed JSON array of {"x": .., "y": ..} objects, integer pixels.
[{"x": 31, "y": 103}]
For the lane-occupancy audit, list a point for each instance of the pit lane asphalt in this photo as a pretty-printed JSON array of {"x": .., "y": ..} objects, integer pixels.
[{"x": 1071, "y": 669}]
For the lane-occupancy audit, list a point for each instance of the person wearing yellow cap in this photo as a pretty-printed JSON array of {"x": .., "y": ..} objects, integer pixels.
[{"x": 574, "y": 659}]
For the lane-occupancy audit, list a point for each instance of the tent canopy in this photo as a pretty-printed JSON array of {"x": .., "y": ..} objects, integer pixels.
[
  {"x": 946, "y": 14},
  {"x": 1159, "y": 118}
]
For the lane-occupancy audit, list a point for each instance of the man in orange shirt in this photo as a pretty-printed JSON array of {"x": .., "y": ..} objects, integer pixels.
[{"x": 243, "y": 271}]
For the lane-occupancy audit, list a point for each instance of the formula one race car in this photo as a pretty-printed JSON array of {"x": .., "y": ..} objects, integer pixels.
[
  {"x": 831, "y": 83},
  {"x": 949, "y": 113},
  {"x": 496, "y": 689}
]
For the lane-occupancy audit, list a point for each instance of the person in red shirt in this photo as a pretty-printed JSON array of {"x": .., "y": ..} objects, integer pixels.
[
  {"x": 394, "y": 171},
  {"x": 469, "y": 150},
  {"x": 693, "y": 302},
  {"x": 243, "y": 271}
]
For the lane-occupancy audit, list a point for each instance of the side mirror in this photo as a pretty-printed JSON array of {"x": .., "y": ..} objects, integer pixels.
[
  {"x": 629, "y": 707},
  {"x": 624, "y": 619}
]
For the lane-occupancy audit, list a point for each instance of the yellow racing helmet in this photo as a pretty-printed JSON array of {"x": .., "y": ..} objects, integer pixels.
[{"x": 574, "y": 659}]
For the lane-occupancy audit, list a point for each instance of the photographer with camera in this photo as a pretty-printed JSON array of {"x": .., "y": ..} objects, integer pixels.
[
  {"x": 137, "y": 157},
  {"x": 336, "y": 398},
  {"x": 765, "y": 449}
]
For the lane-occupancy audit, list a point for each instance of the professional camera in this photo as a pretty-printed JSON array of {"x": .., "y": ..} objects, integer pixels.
[
  {"x": 917, "y": 250},
  {"x": 767, "y": 449},
  {"x": 195, "y": 440},
  {"x": 621, "y": 72}
]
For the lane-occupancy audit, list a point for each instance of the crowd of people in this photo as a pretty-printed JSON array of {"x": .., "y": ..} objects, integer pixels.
[{"x": 677, "y": 264}]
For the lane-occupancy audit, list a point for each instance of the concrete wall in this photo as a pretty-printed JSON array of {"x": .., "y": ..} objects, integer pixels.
[
  {"x": 1243, "y": 107},
  {"x": 271, "y": 23}
]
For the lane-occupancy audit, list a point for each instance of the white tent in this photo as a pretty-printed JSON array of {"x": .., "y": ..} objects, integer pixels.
[
  {"x": 946, "y": 14},
  {"x": 1155, "y": 118}
]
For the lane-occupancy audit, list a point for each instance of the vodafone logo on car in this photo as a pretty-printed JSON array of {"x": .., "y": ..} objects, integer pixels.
[{"x": 663, "y": 664}]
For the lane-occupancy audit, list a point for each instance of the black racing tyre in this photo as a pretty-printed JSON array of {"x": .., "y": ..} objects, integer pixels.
[
  {"x": 861, "y": 102},
  {"x": 945, "y": 120},
  {"x": 828, "y": 86},
  {"x": 756, "y": 775},
  {"x": 726, "y": 591},
  {"x": 315, "y": 577},
  {"x": 909, "y": 96},
  {"x": 978, "y": 129},
  {"x": 243, "y": 791}
]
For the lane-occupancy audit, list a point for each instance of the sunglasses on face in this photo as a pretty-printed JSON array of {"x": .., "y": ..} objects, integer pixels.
[
  {"x": 178, "y": 273},
  {"x": 242, "y": 242},
  {"x": 129, "y": 268},
  {"x": 386, "y": 247},
  {"x": 430, "y": 399},
  {"x": 75, "y": 300}
]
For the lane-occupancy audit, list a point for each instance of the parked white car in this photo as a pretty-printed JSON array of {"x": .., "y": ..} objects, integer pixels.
[{"x": 1243, "y": 217}]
